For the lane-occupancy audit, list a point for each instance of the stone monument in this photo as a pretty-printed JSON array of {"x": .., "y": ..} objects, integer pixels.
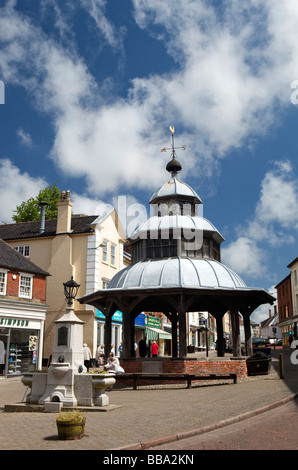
[{"x": 66, "y": 384}]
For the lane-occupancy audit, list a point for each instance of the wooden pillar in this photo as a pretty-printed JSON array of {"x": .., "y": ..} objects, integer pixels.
[
  {"x": 247, "y": 334},
  {"x": 174, "y": 335},
  {"x": 182, "y": 334},
  {"x": 128, "y": 335},
  {"x": 235, "y": 332},
  {"x": 108, "y": 333},
  {"x": 220, "y": 344}
]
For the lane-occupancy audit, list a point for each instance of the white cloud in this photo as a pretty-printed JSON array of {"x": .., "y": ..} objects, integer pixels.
[
  {"x": 273, "y": 224},
  {"x": 16, "y": 187},
  {"x": 96, "y": 9},
  {"x": 83, "y": 204},
  {"x": 262, "y": 312},
  {"x": 232, "y": 72},
  {"x": 245, "y": 257},
  {"x": 25, "y": 137},
  {"x": 279, "y": 197}
]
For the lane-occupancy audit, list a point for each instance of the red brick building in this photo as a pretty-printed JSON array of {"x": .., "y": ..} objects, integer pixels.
[{"x": 22, "y": 312}]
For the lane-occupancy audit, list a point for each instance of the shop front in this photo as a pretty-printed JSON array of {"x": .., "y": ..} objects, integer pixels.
[
  {"x": 116, "y": 337},
  {"x": 154, "y": 332},
  {"x": 289, "y": 331},
  {"x": 21, "y": 338}
]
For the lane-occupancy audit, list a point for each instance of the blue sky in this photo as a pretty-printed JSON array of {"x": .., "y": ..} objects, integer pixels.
[{"x": 92, "y": 86}]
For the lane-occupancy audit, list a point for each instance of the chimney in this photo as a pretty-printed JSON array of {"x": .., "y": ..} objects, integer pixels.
[
  {"x": 43, "y": 205},
  {"x": 64, "y": 213}
]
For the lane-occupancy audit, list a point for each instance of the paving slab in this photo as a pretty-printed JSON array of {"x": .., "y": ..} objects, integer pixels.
[{"x": 148, "y": 416}]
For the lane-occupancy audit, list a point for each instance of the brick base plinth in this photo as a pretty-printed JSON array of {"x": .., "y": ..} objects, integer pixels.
[{"x": 186, "y": 366}]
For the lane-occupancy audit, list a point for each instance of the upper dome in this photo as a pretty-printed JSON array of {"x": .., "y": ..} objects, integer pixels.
[
  {"x": 177, "y": 189},
  {"x": 176, "y": 272},
  {"x": 172, "y": 222}
]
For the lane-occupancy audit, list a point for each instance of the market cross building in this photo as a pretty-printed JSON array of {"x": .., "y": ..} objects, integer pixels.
[{"x": 176, "y": 268}]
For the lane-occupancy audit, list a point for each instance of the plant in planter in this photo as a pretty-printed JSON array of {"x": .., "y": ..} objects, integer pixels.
[{"x": 70, "y": 425}]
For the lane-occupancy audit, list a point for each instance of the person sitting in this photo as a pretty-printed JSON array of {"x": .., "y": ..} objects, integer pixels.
[{"x": 113, "y": 365}]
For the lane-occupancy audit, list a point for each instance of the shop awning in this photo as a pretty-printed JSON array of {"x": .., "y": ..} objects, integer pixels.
[{"x": 155, "y": 333}]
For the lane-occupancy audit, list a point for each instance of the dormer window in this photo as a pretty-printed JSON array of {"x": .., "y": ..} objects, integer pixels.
[{"x": 24, "y": 250}]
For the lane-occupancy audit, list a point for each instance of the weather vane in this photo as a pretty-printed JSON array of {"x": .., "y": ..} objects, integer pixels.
[{"x": 173, "y": 148}]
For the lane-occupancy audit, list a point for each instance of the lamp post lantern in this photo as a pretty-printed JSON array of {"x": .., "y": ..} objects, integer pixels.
[{"x": 70, "y": 290}]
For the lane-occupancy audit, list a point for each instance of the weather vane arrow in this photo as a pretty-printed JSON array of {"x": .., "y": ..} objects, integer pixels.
[{"x": 173, "y": 148}]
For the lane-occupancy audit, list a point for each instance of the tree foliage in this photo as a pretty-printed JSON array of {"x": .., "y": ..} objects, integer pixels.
[{"x": 29, "y": 210}]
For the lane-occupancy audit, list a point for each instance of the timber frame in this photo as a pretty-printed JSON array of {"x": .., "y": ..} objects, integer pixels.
[{"x": 174, "y": 303}]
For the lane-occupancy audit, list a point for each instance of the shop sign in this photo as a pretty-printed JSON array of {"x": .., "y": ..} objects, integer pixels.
[
  {"x": 116, "y": 317},
  {"x": 140, "y": 320},
  {"x": 13, "y": 322},
  {"x": 153, "y": 322}
]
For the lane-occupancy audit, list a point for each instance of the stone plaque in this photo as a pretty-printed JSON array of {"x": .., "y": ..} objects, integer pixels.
[{"x": 62, "y": 336}]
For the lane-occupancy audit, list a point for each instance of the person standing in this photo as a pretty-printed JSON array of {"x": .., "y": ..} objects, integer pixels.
[
  {"x": 100, "y": 354},
  {"x": 154, "y": 349},
  {"x": 87, "y": 357},
  {"x": 142, "y": 347}
]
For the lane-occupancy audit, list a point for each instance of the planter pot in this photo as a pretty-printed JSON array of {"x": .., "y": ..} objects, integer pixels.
[
  {"x": 258, "y": 364},
  {"x": 71, "y": 429},
  {"x": 103, "y": 381}
]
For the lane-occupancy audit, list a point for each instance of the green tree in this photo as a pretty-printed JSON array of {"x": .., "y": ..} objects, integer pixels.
[{"x": 29, "y": 210}]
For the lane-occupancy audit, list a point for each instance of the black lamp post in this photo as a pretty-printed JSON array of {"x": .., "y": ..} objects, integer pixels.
[{"x": 70, "y": 290}]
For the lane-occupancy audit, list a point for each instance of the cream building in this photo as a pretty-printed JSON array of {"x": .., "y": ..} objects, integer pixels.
[{"x": 89, "y": 248}]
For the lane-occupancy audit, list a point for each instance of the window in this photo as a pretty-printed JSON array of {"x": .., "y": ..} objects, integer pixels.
[
  {"x": 113, "y": 255},
  {"x": 161, "y": 248},
  {"x": 25, "y": 286},
  {"x": 24, "y": 250},
  {"x": 295, "y": 277},
  {"x": 3, "y": 282},
  {"x": 105, "y": 251},
  {"x": 105, "y": 283}
]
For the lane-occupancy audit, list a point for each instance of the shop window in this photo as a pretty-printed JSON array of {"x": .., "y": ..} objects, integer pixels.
[
  {"x": 3, "y": 282},
  {"x": 25, "y": 289},
  {"x": 23, "y": 351}
]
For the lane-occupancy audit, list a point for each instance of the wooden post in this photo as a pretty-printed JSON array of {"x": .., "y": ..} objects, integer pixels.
[
  {"x": 220, "y": 338},
  {"x": 247, "y": 333},
  {"x": 182, "y": 334},
  {"x": 281, "y": 366},
  {"x": 108, "y": 334},
  {"x": 127, "y": 335},
  {"x": 174, "y": 335},
  {"x": 235, "y": 332}
]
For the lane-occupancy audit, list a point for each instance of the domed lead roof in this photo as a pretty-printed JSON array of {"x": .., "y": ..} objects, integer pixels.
[
  {"x": 176, "y": 272},
  {"x": 175, "y": 188},
  {"x": 171, "y": 222}
]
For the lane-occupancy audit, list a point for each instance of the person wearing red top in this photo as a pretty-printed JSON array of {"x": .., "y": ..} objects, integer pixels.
[{"x": 154, "y": 349}]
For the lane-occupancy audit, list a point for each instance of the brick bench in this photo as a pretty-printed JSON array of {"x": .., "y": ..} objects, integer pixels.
[{"x": 147, "y": 377}]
